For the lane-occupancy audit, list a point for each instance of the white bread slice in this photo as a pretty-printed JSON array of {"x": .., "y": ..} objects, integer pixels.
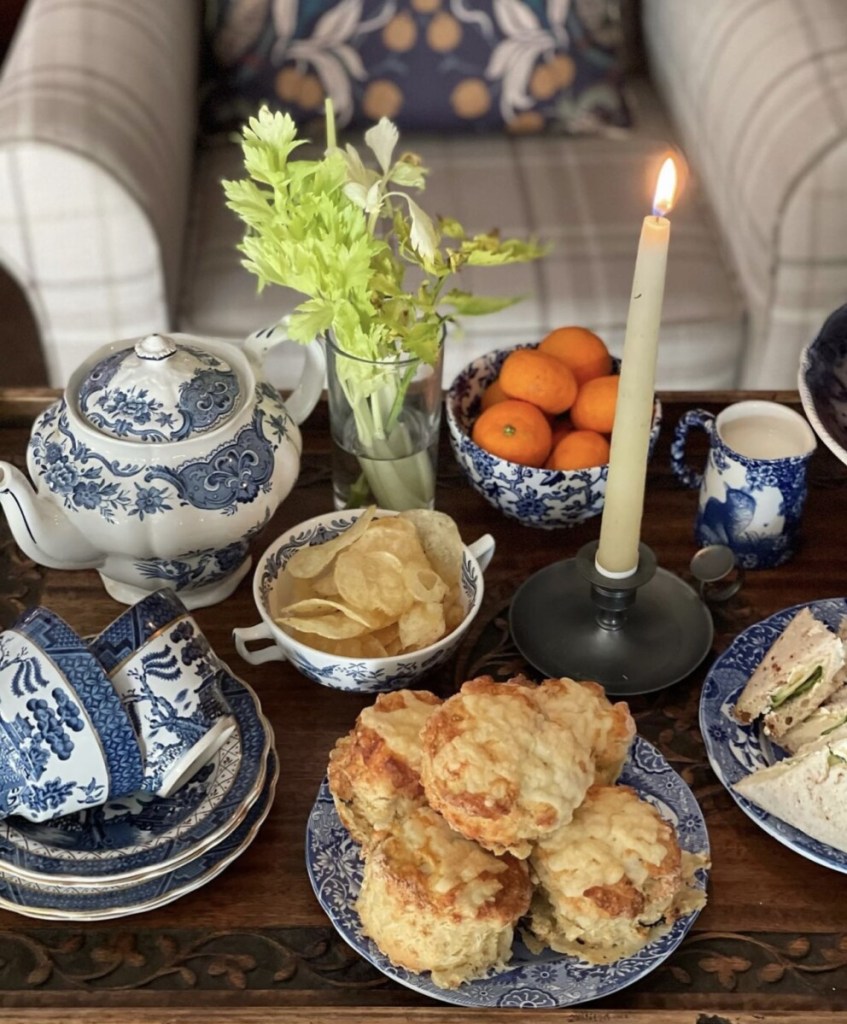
[
  {"x": 807, "y": 790},
  {"x": 796, "y": 675},
  {"x": 822, "y": 722}
]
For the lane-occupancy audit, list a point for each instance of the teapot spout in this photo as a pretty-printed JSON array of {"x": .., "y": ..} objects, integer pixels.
[{"x": 41, "y": 528}]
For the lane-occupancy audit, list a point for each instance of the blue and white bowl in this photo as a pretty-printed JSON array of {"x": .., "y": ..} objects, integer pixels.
[
  {"x": 545, "y": 498},
  {"x": 358, "y": 675}
]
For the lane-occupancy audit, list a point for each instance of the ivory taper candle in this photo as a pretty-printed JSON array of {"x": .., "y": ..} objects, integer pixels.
[{"x": 620, "y": 529}]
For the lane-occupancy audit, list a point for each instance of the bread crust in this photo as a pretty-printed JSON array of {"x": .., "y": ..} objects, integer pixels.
[
  {"x": 607, "y": 880},
  {"x": 435, "y": 901},
  {"x": 374, "y": 771}
]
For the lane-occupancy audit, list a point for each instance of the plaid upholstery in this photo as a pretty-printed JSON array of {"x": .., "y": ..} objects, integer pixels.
[
  {"x": 586, "y": 196},
  {"x": 757, "y": 92},
  {"x": 96, "y": 143}
]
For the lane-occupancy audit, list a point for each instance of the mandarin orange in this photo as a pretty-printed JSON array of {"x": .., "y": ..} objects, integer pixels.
[
  {"x": 514, "y": 430},
  {"x": 581, "y": 350},
  {"x": 580, "y": 449},
  {"x": 594, "y": 408},
  {"x": 532, "y": 376},
  {"x": 493, "y": 393}
]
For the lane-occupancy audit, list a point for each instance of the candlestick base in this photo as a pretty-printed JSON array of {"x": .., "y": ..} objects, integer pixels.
[{"x": 634, "y": 635}]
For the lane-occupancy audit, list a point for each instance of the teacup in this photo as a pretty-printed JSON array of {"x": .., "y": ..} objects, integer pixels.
[
  {"x": 66, "y": 742},
  {"x": 754, "y": 487},
  {"x": 168, "y": 679}
]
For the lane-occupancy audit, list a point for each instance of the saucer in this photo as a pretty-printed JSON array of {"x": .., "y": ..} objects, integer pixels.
[
  {"x": 133, "y": 837},
  {"x": 61, "y": 901}
]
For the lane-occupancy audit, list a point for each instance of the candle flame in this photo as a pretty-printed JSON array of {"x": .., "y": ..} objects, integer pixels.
[{"x": 665, "y": 189}]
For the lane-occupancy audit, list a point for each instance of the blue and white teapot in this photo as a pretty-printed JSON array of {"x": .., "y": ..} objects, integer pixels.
[{"x": 159, "y": 463}]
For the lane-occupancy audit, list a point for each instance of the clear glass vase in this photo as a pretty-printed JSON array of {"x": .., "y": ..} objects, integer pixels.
[{"x": 384, "y": 418}]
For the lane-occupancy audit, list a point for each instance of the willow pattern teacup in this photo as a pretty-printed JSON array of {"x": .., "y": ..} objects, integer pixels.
[
  {"x": 66, "y": 743},
  {"x": 168, "y": 679}
]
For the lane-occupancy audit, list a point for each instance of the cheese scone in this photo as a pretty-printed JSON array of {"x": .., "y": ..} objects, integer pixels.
[
  {"x": 374, "y": 771},
  {"x": 435, "y": 901},
  {"x": 503, "y": 765},
  {"x": 611, "y": 880},
  {"x": 610, "y": 726}
]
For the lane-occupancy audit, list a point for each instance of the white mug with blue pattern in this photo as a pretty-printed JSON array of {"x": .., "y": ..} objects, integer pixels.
[{"x": 754, "y": 486}]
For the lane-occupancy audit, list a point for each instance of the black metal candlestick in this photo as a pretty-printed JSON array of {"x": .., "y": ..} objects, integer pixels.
[{"x": 633, "y": 635}]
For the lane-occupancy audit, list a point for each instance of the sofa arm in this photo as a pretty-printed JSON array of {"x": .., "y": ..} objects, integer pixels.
[
  {"x": 97, "y": 132},
  {"x": 756, "y": 92}
]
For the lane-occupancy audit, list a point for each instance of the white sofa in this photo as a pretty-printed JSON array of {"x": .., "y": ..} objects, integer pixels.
[{"x": 112, "y": 219}]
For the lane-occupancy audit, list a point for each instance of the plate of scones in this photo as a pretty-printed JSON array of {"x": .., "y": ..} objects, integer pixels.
[{"x": 516, "y": 844}]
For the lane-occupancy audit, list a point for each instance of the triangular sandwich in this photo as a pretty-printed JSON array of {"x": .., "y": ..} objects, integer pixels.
[
  {"x": 807, "y": 790},
  {"x": 797, "y": 675}
]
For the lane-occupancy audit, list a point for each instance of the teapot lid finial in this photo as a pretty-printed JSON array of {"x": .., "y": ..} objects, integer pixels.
[{"x": 155, "y": 347}]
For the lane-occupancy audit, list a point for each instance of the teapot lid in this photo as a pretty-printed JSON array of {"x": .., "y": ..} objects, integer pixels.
[{"x": 158, "y": 390}]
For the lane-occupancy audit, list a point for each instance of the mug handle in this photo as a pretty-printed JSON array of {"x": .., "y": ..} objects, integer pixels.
[
  {"x": 687, "y": 476},
  {"x": 305, "y": 396},
  {"x": 483, "y": 550},
  {"x": 258, "y": 632}
]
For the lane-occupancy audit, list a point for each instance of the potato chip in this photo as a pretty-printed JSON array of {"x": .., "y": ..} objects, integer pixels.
[
  {"x": 310, "y": 561},
  {"x": 318, "y": 643},
  {"x": 454, "y": 610},
  {"x": 441, "y": 541},
  {"x": 315, "y": 606},
  {"x": 423, "y": 584},
  {"x": 396, "y": 536},
  {"x": 323, "y": 585},
  {"x": 335, "y": 625},
  {"x": 329, "y": 618},
  {"x": 374, "y": 580},
  {"x": 421, "y": 625}
]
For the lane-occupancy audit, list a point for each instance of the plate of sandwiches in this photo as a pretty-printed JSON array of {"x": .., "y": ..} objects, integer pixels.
[
  {"x": 773, "y": 714},
  {"x": 514, "y": 845}
]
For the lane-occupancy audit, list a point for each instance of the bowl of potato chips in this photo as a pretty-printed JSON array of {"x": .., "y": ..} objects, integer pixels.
[{"x": 366, "y": 600}]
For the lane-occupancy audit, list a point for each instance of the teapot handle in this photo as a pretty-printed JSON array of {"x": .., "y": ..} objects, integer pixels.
[{"x": 305, "y": 396}]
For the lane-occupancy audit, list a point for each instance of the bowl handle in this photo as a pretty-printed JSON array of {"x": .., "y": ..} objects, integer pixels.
[
  {"x": 258, "y": 632},
  {"x": 483, "y": 550}
]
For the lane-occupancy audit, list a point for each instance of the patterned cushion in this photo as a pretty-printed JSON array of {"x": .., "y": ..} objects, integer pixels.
[{"x": 446, "y": 65}]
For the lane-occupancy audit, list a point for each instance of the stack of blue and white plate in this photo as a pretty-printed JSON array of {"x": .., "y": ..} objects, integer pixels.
[{"x": 140, "y": 852}]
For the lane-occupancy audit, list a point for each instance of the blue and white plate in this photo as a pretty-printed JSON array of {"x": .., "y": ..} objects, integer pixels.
[
  {"x": 548, "y": 979},
  {"x": 144, "y": 834},
  {"x": 822, "y": 382},
  {"x": 737, "y": 750},
  {"x": 65, "y": 902}
]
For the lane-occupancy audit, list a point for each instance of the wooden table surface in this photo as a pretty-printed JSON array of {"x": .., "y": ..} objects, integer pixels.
[{"x": 254, "y": 944}]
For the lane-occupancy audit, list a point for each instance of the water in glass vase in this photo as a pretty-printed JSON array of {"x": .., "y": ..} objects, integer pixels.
[{"x": 397, "y": 473}]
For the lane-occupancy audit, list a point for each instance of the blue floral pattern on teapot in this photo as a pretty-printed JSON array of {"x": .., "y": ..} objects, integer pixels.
[{"x": 114, "y": 401}]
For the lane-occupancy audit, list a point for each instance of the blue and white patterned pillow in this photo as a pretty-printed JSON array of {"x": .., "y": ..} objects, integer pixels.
[{"x": 430, "y": 65}]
